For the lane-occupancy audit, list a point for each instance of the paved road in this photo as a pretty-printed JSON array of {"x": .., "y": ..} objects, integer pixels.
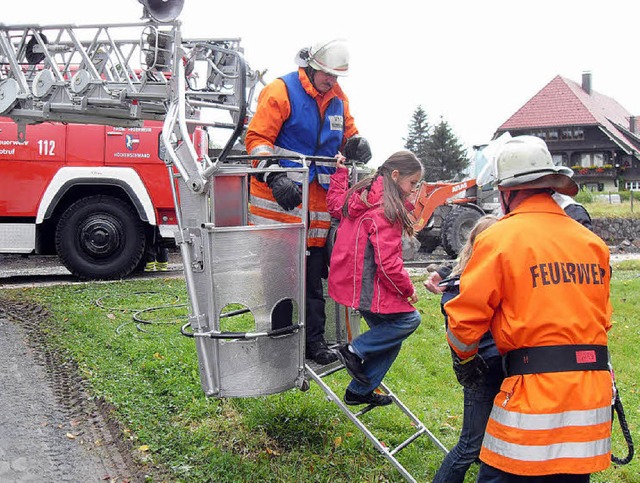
[
  {"x": 38, "y": 270},
  {"x": 31, "y": 265}
]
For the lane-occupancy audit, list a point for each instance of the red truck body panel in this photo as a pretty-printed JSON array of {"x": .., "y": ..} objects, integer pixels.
[{"x": 28, "y": 167}]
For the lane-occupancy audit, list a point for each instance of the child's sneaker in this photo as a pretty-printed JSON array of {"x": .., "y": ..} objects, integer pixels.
[
  {"x": 353, "y": 364},
  {"x": 373, "y": 398}
]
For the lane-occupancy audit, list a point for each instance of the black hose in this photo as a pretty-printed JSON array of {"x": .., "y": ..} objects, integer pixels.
[{"x": 617, "y": 406}]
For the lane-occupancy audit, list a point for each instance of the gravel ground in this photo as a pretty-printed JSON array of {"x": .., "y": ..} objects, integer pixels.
[{"x": 49, "y": 429}]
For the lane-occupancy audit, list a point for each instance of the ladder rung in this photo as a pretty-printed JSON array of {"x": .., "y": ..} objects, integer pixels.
[
  {"x": 326, "y": 370},
  {"x": 408, "y": 441},
  {"x": 364, "y": 411}
]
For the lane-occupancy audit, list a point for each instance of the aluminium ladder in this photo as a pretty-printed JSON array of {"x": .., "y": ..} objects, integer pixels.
[{"x": 347, "y": 327}]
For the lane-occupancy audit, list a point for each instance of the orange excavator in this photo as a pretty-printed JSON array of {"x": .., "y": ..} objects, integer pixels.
[{"x": 445, "y": 212}]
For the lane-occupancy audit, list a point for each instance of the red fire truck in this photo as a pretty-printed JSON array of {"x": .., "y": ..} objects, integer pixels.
[{"x": 97, "y": 196}]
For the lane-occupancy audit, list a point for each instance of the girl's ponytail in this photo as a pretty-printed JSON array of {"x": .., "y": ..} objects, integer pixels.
[{"x": 365, "y": 186}]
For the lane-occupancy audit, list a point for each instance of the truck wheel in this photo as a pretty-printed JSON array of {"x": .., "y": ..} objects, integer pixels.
[
  {"x": 100, "y": 237},
  {"x": 456, "y": 227},
  {"x": 428, "y": 242}
]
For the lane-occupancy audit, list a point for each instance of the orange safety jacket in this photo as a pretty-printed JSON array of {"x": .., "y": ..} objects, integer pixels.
[
  {"x": 272, "y": 111},
  {"x": 538, "y": 278}
]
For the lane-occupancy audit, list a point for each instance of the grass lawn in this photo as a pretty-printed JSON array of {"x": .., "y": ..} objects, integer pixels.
[
  {"x": 149, "y": 373},
  {"x": 602, "y": 209}
]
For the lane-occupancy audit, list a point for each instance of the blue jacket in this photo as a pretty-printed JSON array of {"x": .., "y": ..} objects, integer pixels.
[{"x": 306, "y": 132}]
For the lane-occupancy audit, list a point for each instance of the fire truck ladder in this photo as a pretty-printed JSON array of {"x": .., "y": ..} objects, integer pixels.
[{"x": 121, "y": 75}]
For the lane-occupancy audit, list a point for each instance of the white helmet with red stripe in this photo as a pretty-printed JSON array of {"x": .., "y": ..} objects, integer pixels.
[{"x": 331, "y": 57}]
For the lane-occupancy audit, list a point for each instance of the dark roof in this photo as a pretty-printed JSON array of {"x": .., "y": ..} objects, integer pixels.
[{"x": 563, "y": 102}]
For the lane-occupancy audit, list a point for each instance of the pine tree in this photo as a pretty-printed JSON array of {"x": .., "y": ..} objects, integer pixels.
[
  {"x": 446, "y": 157},
  {"x": 419, "y": 131}
]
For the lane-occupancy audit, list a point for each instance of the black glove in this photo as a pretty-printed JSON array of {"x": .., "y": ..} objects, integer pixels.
[
  {"x": 470, "y": 372},
  {"x": 357, "y": 148},
  {"x": 285, "y": 191}
]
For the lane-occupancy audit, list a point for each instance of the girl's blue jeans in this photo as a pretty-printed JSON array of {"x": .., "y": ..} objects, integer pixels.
[
  {"x": 379, "y": 346},
  {"x": 477, "y": 408}
]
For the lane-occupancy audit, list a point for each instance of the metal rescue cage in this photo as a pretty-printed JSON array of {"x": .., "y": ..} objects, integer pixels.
[
  {"x": 239, "y": 268},
  {"x": 249, "y": 270}
]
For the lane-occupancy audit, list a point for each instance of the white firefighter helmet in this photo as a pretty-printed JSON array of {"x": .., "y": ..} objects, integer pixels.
[
  {"x": 524, "y": 162},
  {"x": 331, "y": 57}
]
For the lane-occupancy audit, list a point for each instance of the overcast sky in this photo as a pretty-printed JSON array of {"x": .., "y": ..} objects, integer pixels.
[{"x": 472, "y": 62}]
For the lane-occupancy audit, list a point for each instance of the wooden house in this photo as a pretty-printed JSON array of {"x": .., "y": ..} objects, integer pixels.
[{"x": 585, "y": 130}]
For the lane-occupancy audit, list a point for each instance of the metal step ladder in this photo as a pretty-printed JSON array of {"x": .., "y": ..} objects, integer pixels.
[
  {"x": 342, "y": 326},
  {"x": 317, "y": 373}
]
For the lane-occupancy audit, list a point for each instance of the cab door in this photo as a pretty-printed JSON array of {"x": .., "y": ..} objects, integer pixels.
[{"x": 28, "y": 166}]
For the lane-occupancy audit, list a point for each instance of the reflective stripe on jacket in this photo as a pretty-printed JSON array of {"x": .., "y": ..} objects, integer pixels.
[
  {"x": 265, "y": 210},
  {"x": 537, "y": 278},
  {"x": 367, "y": 271}
]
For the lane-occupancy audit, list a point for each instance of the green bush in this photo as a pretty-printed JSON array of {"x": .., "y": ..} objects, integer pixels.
[{"x": 584, "y": 196}]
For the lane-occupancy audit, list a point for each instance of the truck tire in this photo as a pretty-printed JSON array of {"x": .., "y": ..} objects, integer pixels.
[
  {"x": 456, "y": 227},
  {"x": 100, "y": 237}
]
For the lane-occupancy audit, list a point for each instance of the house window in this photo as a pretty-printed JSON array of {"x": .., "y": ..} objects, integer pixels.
[
  {"x": 547, "y": 135},
  {"x": 541, "y": 134},
  {"x": 592, "y": 159},
  {"x": 632, "y": 185},
  {"x": 559, "y": 159},
  {"x": 572, "y": 134},
  {"x": 593, "y": 187},
  {"x": 598, "y": 159},
  {"x": 564, "y": 134}
]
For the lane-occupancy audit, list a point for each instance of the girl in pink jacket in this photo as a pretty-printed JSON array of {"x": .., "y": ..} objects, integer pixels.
[{"x": 367, "y": 271}]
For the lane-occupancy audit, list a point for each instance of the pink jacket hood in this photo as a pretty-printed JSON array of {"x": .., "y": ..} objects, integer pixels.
[{"x": 357, "y": 206}]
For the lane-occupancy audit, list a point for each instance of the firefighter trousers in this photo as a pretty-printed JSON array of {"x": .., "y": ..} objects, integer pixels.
[{"x": 489, "y": 474}]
